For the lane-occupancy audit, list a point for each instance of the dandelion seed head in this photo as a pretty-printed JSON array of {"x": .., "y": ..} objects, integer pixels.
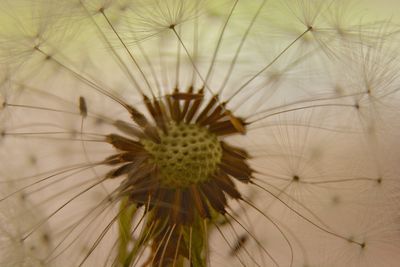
[{"x": 200, "y": 133}]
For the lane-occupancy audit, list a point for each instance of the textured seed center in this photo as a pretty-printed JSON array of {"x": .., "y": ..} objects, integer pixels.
[{"x": 186, "y": 155}]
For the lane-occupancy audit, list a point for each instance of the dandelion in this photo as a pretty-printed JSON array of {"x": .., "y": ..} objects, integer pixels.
[{"x": 200, "y": 133}]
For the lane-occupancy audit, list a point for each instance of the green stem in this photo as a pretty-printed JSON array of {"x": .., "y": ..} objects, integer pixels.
[{"x": 125, "y": 220}]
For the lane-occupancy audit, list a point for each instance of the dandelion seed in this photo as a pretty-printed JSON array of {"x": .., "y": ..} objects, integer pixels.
[{"x": 200, "y": 133}]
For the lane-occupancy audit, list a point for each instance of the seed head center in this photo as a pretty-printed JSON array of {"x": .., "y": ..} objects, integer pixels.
[{"x": 187, "y": 154}]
